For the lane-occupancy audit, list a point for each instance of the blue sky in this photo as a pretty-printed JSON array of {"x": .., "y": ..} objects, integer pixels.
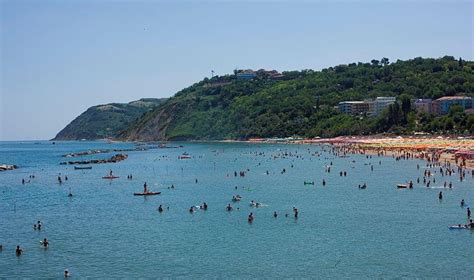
[{"x": 60, "y": 57}]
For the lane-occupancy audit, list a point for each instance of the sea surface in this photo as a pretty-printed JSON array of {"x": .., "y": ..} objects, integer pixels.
[{"x": 104, "y": 231}]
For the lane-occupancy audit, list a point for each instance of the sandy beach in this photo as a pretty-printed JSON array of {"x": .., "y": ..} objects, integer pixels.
[
  {"x": 458, "y": 151},
  {"x": 454, "y": 150}
]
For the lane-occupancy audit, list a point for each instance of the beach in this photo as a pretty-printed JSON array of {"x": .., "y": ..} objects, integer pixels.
[{"x": 456, "y": 150}]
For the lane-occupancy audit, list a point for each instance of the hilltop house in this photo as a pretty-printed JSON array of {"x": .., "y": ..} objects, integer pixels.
[{"x": 250, "y": 74}]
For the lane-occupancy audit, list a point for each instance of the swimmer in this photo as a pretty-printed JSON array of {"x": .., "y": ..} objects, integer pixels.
[
  {"x": 45, "y": 243},
  {"x": 275, "y": 214},
  {"x": 191, "y": 210},
  {"x": 468, "y": 212},
  {"x": 18, "y": 250},
  {"x": 229, "y": 207},
  {"x": 462, "y": 203},
  {"x": 66, "y": 273},
  {"x": 160, "y": 208},
  {"x": 39, "y": 225},
  {"x": 204, "y": 206},
  {"x": 250, "y": 218},
  {"x": 440, "y": 195}
]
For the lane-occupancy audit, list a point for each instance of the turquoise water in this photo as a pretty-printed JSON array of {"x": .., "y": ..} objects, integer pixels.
[{"x": 341, "y": 232}]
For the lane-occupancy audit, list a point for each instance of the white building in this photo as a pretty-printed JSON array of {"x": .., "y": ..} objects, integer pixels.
[{"x": 381, "y": 103}]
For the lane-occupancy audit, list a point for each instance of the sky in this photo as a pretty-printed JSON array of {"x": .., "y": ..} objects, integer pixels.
[{"x": 60, "y": 57}]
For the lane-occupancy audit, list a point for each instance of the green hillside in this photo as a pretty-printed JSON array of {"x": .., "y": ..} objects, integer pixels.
[
  {"x": 107, "y": 120},
  {"x": 302, "y": 102}
]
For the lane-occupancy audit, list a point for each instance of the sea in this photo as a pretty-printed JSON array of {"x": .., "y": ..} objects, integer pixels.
[{"x": 104, "y": 231}]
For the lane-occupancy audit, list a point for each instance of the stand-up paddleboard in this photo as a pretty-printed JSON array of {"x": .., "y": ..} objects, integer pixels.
[
  {"x": 147, "y": 193},
  {"x": 110, "y": 177}
]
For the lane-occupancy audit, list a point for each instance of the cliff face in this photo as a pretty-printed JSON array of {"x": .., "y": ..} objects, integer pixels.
[
  {"x": 157, "y": 124},
  {"x": 106, "y": 121}
]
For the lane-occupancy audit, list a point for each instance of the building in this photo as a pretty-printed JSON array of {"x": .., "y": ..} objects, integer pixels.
[
  {"x": 246, "y": 74},
  {"x": 271, "y": 74},
  {"x": 442, "y": 105},
  {"x": 370, "y": 107},
  {"x": 250, "y": 74},
  {"x": 423, "y": 105},
  {"x": 354, "y": 107},
  {"x": 380, "y": 103}
]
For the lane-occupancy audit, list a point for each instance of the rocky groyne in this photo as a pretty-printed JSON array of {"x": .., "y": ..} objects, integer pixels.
[{"x": 114, "y": 159}]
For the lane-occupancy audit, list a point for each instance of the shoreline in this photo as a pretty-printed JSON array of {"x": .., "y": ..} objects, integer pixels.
[{"x": 455, "y": 150}]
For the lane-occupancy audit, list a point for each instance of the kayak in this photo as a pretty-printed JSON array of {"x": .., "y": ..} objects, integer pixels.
[
  {"x": 147, "y": 193},
  {"x": 110, "y": 177},
  {"x": 402, "y": 186},
  {"x": 82, "y": 167},
  {"x": 309, "y": 183}
]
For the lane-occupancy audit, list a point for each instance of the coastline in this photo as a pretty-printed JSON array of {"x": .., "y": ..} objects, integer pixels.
[{"x": 453, "y": 150}]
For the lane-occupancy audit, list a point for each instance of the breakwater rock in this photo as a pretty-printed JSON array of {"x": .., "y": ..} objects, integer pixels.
[
  {"x": 106, "y": 151},
  {"x": 115, "y": 158}
]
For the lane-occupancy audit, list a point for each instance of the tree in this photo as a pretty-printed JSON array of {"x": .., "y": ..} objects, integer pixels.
[
  {"x": 375, "y": 62},
  {"x": 405, "y": 100},
  {"x": 461, "y": 63},
  {"x": 384, "y": 61}
]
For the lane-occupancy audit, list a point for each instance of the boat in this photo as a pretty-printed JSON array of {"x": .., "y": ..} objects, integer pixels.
[
  {"x": 184, "y": 156},
  {"x": 82, "y": 167},
  {"x": 147, "y": 193},
  {"x": 402, "y": 186},
  {"x": 110, "y": 177},
  {"x": 459, "y": 227}
]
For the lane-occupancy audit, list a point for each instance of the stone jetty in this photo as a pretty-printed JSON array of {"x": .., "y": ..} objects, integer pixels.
[{"x": 115, "y": 158}]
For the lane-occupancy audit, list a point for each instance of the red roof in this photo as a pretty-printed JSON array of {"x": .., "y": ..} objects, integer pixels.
[{"x": 453, "y": 98}]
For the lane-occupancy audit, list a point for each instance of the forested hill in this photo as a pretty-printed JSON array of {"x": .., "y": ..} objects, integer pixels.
[
  {"x": 302, "y": 102},
  {"x": 104, "y": 121}
]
